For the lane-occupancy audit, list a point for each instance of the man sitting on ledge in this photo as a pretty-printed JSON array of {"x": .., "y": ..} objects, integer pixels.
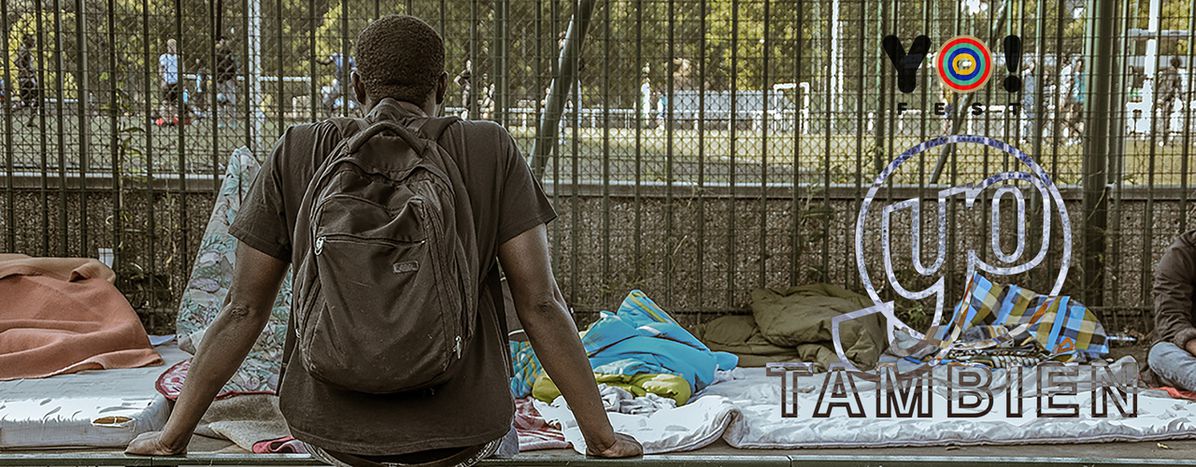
[
  {"x": 1173, "y": 356},
  {"x": 463, "y": 415}
]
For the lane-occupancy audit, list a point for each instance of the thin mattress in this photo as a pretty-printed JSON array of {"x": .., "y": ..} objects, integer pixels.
[{"x": 105, "y": 408}]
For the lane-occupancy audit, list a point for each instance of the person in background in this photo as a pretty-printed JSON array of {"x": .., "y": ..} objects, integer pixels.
[
  {"x": 1073, "y": 90},
  {"x": 1169, "y": 91},
  {"x": 169, "y": 70},
  {"x": 646, "y": 98},
  {"x": 199, "y": 99},
  {"x": 464, "y": 80},
  {"x": 226, "y": 84},
  {"x": 336, "y": 96},
  {"x": 466, "y": 417},
  {"x": 29, "y": 88},
  {"x": 1172, "y": 358},
  {"x": 1029, "y": 93}
]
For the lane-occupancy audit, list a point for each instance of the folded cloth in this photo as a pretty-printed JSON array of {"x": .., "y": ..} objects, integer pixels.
[
  {"x": 672, "y": 387},
  {"x": 244, "y": 420},
  {"x": 63, "y": 315},
  {"x": 642, "y": 338},
  {"x": 211, "y": 276},
  {"x": 535, "y": 433},
  {"x": 284, "y": 445},
  {"x": 1061, "y": 326}
]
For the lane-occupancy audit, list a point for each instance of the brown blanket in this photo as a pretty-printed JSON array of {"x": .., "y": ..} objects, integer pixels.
[{"x": 63, "y": 315}]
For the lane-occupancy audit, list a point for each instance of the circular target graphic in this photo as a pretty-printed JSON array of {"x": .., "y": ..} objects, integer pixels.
[{"x": 964, "y": 64}]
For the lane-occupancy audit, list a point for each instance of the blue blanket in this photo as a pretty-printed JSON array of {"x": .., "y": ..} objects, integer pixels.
[{"x": 642, "y": 338}]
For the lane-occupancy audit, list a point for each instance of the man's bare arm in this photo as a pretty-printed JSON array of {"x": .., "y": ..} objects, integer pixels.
[
  {"x": 550, "y": 328},
  {"x": 256, "y": 279}
]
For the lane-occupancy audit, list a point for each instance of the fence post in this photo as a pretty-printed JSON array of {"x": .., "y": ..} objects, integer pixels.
[
  {"x": 1096, "y": 151},
  {"x": 561, "y": 86}
]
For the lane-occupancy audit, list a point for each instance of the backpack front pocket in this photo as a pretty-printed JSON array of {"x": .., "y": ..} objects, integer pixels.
[{"x": 383, "y": 326}]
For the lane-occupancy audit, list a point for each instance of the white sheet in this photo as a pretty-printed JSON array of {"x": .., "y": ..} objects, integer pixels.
[
  {"x": 691, "y": 426},
  {"x": 69, "y": 411}
]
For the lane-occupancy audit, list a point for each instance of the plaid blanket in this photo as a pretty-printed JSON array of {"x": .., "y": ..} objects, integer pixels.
[{"x": 1061, "y": 326}]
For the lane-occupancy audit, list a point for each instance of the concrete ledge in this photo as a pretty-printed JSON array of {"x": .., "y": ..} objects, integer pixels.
[{"x": 761, "y": 458}]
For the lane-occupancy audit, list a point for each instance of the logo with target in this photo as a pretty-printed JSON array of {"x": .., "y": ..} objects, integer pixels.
[{"x": 964, "y": 64}]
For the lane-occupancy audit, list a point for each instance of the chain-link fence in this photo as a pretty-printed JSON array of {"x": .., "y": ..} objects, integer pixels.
[{"x": 705, "y": 148}]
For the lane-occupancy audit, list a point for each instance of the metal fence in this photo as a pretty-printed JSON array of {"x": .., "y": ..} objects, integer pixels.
[{"x": 705, "y": 148}]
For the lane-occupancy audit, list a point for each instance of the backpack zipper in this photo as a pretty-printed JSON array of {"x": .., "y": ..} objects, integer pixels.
[{"x": 319, "y": 248}]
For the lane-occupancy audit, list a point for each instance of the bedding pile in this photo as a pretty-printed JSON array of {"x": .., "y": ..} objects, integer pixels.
[{"x": 64, "y": 315}]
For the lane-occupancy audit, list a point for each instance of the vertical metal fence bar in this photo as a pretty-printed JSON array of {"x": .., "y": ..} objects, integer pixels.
[
  {"x": 732, "y": 261},
  {"x": 1095, "y": 167},
  {"x": 59, "y": 68},
  {"x": 574, "y": 161},
  {"x": 475, "y": 78},
  {"x": 344, "y": 68},
  {"x": 84, "y": 133},
  {"x": 1039, "y": 77},
  {"x": 152, "y": 234},
  {"x": 952, "y": 211},
  {"x": 280, "y": 96},
  {"x": 553, "y": 144},
  {"x": 247, "y": 70},
  {"x": 501, "y": 91},
  {"x": 826, "y": 157},
  {"x": 1060, "y": 95},
  {"x": 639, "y": 59},
  {"x": 314, "y": 82},
  {"x": 214, "y": 112},
  {"x": 795, "y": 198},
  {"x": 1117, "y": 170},
  {"x": 1144, "y": 272},
  {"x": 701, "y": 253},
  {"x": 116, "y": 150},
  {"x": 180, "y": 254},
  {"x": 862, "y": 31},
  {"x": 668, "y": 162},
  {"x": 763, "y": 252},
  {"x": 606, "y": 173},
  {"x": 10, "y": 214},
  {"x": 41, "y": 126}
]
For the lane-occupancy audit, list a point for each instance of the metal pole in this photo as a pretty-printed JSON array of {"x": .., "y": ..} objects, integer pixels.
[
  {"x": 1096, "y": 153},
  {"x": 558, "y": 93}
]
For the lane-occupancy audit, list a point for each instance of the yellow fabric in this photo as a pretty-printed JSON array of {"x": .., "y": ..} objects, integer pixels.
[{"x": 664, "y": 385}]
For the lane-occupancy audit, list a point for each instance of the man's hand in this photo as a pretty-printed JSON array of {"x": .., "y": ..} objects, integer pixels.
[
  {"x": 623, "y": 446},
  {"x": 1190, "y": 346},
  {"x": 152, "y": 444}
]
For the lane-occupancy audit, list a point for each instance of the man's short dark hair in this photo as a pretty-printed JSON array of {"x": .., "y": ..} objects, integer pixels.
[
  {"x": 1175, "y": 62},
  {"x": 401, "y": 57}
]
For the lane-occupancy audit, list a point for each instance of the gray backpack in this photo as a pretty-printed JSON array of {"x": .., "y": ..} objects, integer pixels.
[{"x": 386, "y": 297}]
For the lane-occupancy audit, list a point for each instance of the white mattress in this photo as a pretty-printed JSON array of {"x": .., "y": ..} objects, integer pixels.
[
  {"x": 105, "y": 408},
  {"x": 744, "y": 409},
  {"x": 760, "y": 425}
]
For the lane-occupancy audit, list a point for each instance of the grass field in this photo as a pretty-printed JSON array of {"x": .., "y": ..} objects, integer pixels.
[{"x": 626, "y": 155}]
